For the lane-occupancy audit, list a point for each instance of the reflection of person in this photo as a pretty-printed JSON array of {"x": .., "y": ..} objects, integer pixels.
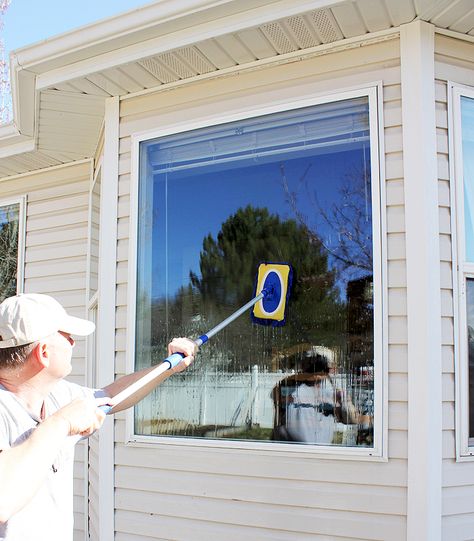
[
  {"x": 39, "y": 411},
  {"x": 308, "y": 405}
]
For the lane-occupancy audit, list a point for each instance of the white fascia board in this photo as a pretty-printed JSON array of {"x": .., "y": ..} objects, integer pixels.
[
  {"x": 99, "y": 37},
  {"x": 13, "y": 142},
  {"x": 16, "y": 137},
  {"x": 167, "y": 34},
  {"x": 23, "y": 84}
]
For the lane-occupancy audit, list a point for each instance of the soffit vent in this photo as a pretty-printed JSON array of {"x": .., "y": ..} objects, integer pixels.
[
  {"x": 196, "y": 60},
  {"x": 326, "y": 25},
  {"x": 158, "y": 70},
  {"x": 301, "y": 32},
  {"x": 277, "y": 36},
  {"x": 172, "y": 62}
]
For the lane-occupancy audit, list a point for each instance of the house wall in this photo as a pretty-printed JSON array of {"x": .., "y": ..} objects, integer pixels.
[
  {"x": 56, "y": 263},
  {"x": 185, "y": 492},
  {"x": 454, "y": 62}
]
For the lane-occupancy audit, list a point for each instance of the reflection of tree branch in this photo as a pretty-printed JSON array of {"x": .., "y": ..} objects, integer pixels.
[
  {"x": 354, "y": 249},
  {"x": 9, "y": 250}
]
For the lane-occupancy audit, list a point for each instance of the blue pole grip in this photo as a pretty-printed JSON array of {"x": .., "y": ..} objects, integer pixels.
[
  {"x": 202, "y": 339},
  {"x": 174, "y": 359},
  {"x": 105, "y": 408}
]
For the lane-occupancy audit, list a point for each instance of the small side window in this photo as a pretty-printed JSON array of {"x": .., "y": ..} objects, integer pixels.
[{"x": 11, "y": 213}]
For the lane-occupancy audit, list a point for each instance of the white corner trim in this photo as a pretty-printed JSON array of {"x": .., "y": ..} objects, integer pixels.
[
  {"x": 423, "y": 283},
  {"x": 105, "y": 368}
]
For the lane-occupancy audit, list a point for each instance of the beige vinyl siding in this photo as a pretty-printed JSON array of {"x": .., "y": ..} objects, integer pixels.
[
  {"x": 181, "y": 492},
  {"x": 55, "y": 264},
  {"x": 454, "y": 63},
  {"x": 94, "y": 483}
]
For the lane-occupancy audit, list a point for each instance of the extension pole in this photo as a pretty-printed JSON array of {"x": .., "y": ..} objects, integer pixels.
[{"x": 174, "y": 359}]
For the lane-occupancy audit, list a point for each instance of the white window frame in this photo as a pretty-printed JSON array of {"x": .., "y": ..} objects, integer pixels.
[
  {"x": 463, "y": 270},
  {"x": 96, "y": 175},
  {"x": 379, "y": 451},
  {"x": 20, "y": 273}
]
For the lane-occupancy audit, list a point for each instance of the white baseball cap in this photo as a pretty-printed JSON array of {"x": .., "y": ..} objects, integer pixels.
[{"x": 30, "y": 317}]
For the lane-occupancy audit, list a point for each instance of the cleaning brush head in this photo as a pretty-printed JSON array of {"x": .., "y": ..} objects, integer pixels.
[{"x": 274, "y": 283}]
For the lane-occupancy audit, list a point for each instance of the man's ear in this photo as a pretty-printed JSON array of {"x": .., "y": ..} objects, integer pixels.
[{"x": 40, "y": 355}]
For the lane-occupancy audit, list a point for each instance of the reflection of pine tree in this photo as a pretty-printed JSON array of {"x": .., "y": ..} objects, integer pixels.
[
  {"x": 228, "y": 266},
  {"x": 9, "y": 251}
]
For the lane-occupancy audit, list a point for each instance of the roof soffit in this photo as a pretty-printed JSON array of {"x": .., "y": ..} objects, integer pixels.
[{"x": 170, "y": 42}]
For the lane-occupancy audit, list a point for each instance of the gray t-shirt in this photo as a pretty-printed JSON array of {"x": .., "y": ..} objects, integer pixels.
[{"x": 49, "y": 515}]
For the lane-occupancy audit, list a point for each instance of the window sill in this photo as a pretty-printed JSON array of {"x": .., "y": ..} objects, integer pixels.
[{"x": 266, "y": 449}]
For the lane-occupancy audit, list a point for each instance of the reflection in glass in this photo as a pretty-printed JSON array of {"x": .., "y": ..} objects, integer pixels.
[
  {"x": 9, "y": 231},
  {"x": 292, "y": 187},
  {"x": 470, "y": 347},
  {"x": 467, "y": 123}
]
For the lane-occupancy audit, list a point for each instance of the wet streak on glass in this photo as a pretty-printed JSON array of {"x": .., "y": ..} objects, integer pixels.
[{"x": 292, "y": 187}]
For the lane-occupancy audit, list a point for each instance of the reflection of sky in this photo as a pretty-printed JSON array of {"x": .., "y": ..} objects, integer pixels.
[
  {"x": 468, "y": 165},
  {"x": 200, "y": 200},
  {"x": 8, "y": 213},
  {"x": 470, "y": 302}
]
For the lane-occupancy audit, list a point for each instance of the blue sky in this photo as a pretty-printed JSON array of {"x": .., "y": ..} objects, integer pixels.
[{"x": 29, "y": 21}]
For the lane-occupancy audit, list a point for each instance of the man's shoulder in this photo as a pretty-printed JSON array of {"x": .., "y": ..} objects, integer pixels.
[
  {"x": 66, "y": 391},
  {"x": 6, "y": 399}
]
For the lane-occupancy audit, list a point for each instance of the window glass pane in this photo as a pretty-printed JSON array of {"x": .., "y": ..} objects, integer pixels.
[
  {"x": 9, "y": 231},
  {"x": 467, "y": 123},
  {"x": 470, "y": 348},
  {"x": 290, "y": 187}
]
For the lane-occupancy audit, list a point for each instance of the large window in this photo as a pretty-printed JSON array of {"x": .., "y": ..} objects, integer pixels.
[
  {"x": 293, "y": 186},
  {"x": 464, "y": 168},
  {"x": 11, "y": 213}
]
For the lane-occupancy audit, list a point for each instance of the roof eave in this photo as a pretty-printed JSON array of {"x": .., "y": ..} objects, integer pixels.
[{"x": 130, "y": 29}]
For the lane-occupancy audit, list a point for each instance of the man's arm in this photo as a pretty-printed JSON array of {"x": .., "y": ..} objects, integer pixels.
[
  {"x": 24, "y": 467},
  {"x": 177, "y": 345}
]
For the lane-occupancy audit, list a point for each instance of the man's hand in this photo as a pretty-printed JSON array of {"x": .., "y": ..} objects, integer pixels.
[
  {"x": 185, "y": 346},
  {"x": 83, "y": 415}
]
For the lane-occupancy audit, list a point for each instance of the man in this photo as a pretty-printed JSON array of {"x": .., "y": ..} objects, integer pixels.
[
  {"x": 307, "y": 404},
  {"x": 42, "y": 416}
]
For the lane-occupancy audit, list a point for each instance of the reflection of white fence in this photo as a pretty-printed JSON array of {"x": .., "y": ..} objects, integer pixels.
[{"x": 229, "y": 399}]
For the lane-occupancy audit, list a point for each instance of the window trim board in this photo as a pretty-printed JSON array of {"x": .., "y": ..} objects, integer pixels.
[
  {"x": 375, "y": 98},
  {"x": 463, "y": 270}
]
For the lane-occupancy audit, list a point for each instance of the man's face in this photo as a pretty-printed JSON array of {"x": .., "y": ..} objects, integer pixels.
[{"x": 60, "y": 347}]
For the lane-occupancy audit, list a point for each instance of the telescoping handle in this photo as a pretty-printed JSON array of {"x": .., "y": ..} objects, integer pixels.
[{"x": 175, "y": 358}]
